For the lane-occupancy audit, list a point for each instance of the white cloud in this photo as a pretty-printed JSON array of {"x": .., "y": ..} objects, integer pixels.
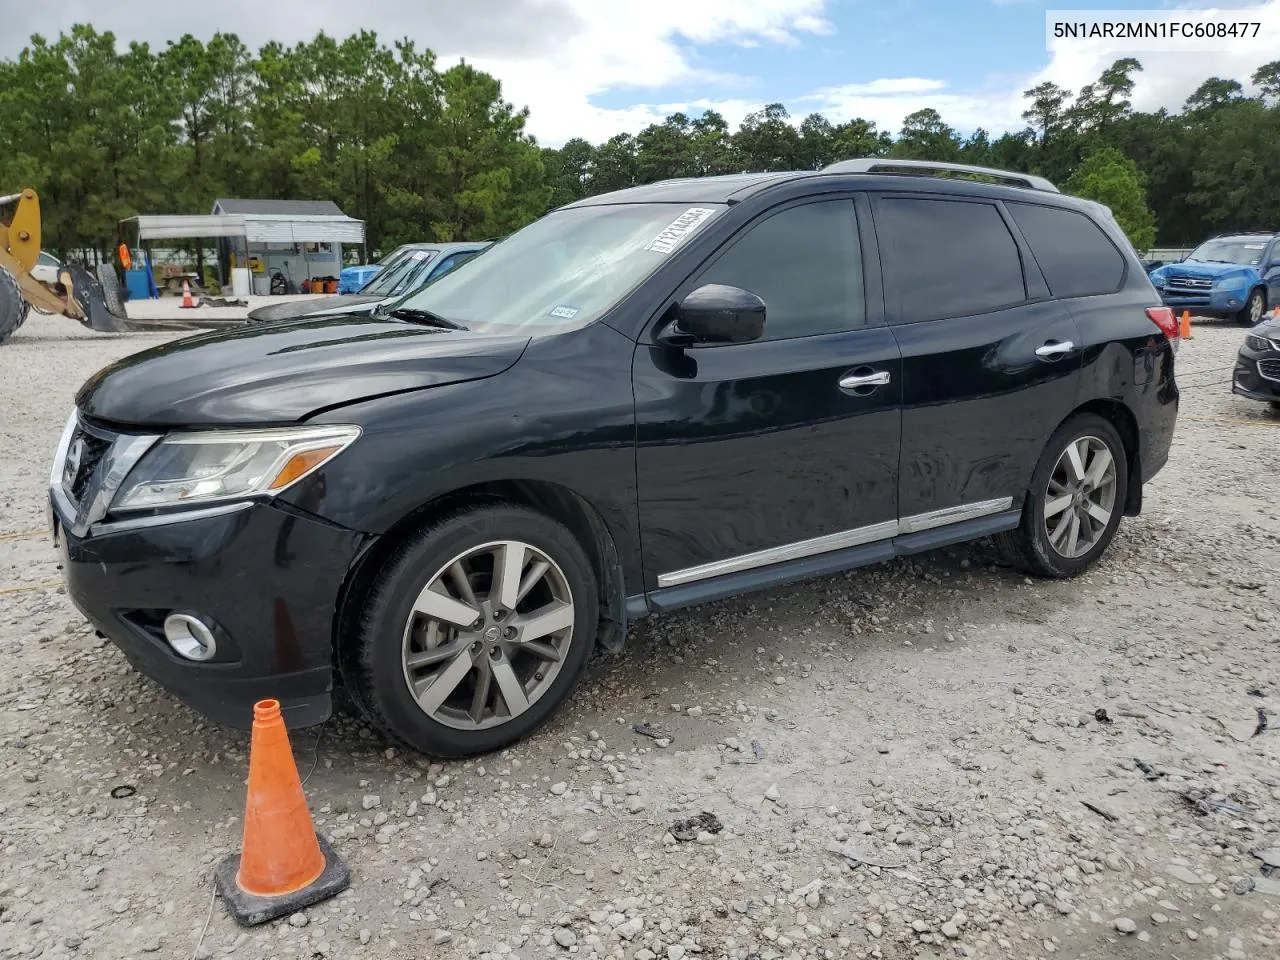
[
  {"x": 1166, "y": 80},
  {"x": 638, "y": 46},
  {"x": 562, "y": 57}
]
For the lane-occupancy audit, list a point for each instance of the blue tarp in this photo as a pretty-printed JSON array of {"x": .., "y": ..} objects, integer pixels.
[{"x": 353, "y": 278}]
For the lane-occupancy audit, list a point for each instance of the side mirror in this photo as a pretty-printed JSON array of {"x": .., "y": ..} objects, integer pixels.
[{"x": 715, "y": 313}]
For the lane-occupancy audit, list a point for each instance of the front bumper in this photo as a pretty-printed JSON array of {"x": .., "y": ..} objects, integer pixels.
[
  {"x": 1257, "y": 375},
  {"x": 268, "y": 579},
  {"x": 1218, "y": 303}
]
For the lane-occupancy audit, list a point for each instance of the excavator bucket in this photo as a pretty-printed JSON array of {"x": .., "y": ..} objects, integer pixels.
[{"x": 93, "y": 300}]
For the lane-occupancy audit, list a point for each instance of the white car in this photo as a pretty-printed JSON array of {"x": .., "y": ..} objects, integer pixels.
[{"x": 46, "y": 269}]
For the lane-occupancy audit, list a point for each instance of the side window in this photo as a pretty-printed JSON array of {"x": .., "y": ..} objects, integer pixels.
[
  {"x": 47, "y": 259},
  {"x": 805, "y": 263},
  {"x": 947, "y": 258},
  {"x": 1075, "y": 256},
  {"x": 449, "y": 263}
]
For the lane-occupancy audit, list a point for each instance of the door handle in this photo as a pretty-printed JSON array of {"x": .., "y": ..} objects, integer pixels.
[
  {"x": 852, "y": 381},
  {"x": 1054, "y": 349}
]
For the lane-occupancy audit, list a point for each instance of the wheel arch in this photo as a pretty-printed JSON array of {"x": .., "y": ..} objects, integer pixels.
[
  {"x": 560, "y": 503},
  {"x": 1122, "y": 418}
]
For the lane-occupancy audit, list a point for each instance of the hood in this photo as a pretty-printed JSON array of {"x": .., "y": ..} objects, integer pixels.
[
  {"x": 282, "y": 372},
  {"x": 1202, "y": 270},
  {"x": 316, "y": 307}
]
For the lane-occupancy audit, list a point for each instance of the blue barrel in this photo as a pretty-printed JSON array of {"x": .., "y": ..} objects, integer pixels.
[{"x": 138, "y": 284}]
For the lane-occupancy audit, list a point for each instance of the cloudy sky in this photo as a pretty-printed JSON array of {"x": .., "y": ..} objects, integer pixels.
[{"x": 593, "y": 68}]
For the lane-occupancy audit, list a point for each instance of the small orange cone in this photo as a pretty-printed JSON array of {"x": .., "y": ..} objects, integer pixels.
[
  {"x": 187, "y": 302},
  {"x": 1276, "y": 312},
  {"x": 284, "y": 865},
  {"x": 1185, "y": 330}
]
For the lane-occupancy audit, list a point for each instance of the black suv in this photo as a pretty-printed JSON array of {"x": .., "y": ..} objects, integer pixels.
[{"x": 648, "y": 399}]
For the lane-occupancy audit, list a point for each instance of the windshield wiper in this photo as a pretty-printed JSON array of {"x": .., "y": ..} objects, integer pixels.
[{"x": 422, "y": 316}]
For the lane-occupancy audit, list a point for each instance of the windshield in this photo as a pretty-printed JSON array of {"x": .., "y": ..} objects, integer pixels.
[
  {"x": 1241, "y": 251},
  {"x": 401, "y": 276},
  {"x": 563, "y": 270}
]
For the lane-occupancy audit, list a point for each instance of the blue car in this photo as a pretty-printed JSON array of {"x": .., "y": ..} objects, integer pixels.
[{"x": 1235, "y": 276}]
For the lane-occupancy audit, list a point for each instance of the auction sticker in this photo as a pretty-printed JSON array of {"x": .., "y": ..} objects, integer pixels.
[{"x": 678, "y": 229}]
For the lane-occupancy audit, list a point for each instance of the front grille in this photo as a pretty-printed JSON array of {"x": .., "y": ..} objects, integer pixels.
[
  {"x": 1191, "y": 283},
  {"x": 84, "y": 454},
  {"x": 1270, "y": 369}
]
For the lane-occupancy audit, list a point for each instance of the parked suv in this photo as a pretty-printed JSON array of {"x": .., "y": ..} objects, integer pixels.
[
  {"x": 417, "y": 265},
  {"x": 661, "y": 396},
  {"x": 1234, "y": 276}
]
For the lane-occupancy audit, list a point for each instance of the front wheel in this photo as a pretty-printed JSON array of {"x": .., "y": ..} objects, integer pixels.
[
  {"x": 1254, "y": 308},
  {"x": 476, "y": 628},
  {"x": 1075, "y": 501}
]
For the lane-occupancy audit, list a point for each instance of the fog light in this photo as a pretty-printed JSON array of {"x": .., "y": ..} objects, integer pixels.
[{"x": 190, "y": 638}]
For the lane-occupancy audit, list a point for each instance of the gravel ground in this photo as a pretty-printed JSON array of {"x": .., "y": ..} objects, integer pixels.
[{"x": 907, "y": 760}]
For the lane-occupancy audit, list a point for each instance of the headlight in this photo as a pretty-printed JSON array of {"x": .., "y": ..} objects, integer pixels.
[
  {"x": 1229, "y": 283},
  {"x": 229, "y": 464},
  {"x": 1158, "y": 282}
]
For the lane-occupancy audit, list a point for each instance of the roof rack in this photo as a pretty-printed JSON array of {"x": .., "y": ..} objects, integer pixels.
[{"x": 926, "y": 167}]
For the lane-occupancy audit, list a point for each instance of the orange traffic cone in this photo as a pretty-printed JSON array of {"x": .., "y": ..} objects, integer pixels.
[
  {"x": 1276, "y": 312},
  {"x": 284, "y": 865},
  {"x": 187, "y": 302},
  {"x": 1184, "y": 331}
]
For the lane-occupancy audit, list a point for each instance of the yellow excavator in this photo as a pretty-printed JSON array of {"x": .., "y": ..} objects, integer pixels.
[{"x": 93, "y": 300}]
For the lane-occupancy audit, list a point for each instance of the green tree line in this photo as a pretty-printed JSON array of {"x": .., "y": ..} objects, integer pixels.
[{"x": 106, "y": 132}]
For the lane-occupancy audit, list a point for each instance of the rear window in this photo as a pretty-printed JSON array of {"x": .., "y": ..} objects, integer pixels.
[
  {"x": 947, "y": 258},
  {"x": 1075, "y": 256}
]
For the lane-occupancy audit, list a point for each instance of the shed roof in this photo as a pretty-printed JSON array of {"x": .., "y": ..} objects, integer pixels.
[{"x": 278, "y": 208}]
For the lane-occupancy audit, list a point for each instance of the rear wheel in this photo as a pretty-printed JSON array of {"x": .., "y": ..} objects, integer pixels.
[
  {"x": 1075, "y": 501},
  {"x": 475, "y": 630},
  {"x": 1253, "y": 310}
]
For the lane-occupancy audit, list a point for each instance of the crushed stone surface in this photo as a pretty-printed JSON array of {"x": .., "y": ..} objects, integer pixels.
[{"x": 905, "y": 760}]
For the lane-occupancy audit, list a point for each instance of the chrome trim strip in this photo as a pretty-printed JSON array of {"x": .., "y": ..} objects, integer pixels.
[
  {"x": 965, "y": 511},
  {"x": 836, "y": 541},
  {"x": 119, "y": 460},
  {"x": 788, "y": 551},
  {"x": 165, "y": 519}
]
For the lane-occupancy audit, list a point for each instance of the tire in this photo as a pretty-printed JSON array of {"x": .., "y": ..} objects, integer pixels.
[
  {"x": 111, "y": 290},
  {"x": 391, "y": 629},
  {"x": 1029, "y": 545},
  {"x": 13, "y": 308},
  {"x": 1251, "y": 314}
]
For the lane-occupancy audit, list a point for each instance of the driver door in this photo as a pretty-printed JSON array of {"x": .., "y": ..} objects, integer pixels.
[{"x": 781, "y": 449}]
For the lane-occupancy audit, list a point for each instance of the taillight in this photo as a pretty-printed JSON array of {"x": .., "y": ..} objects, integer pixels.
[{"x": 1163, "y": 318}]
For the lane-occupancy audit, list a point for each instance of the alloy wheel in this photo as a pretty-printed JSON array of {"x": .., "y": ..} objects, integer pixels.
[
  {"x": 488, "y": 635},
  {"x": 1255, "y": 309},
  {"x": 1080, "y": 499}
]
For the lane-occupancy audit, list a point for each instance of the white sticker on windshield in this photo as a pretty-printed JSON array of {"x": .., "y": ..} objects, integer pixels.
[
  {"x": 419, "y": 255},
  {"x": 565, "y": 313},
  {"x": 679, "y": 228}
]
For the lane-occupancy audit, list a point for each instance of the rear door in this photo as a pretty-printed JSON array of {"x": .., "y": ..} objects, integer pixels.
[{"x": 990, "y": 363}]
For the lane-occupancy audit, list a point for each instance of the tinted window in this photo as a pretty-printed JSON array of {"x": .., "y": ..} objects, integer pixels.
[
  {"x": 947, "y": 258},
  {"x": 457, "y": 260},
  {"x": 1074, "y": 255},
  {"x": 805, "y": 264}
]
